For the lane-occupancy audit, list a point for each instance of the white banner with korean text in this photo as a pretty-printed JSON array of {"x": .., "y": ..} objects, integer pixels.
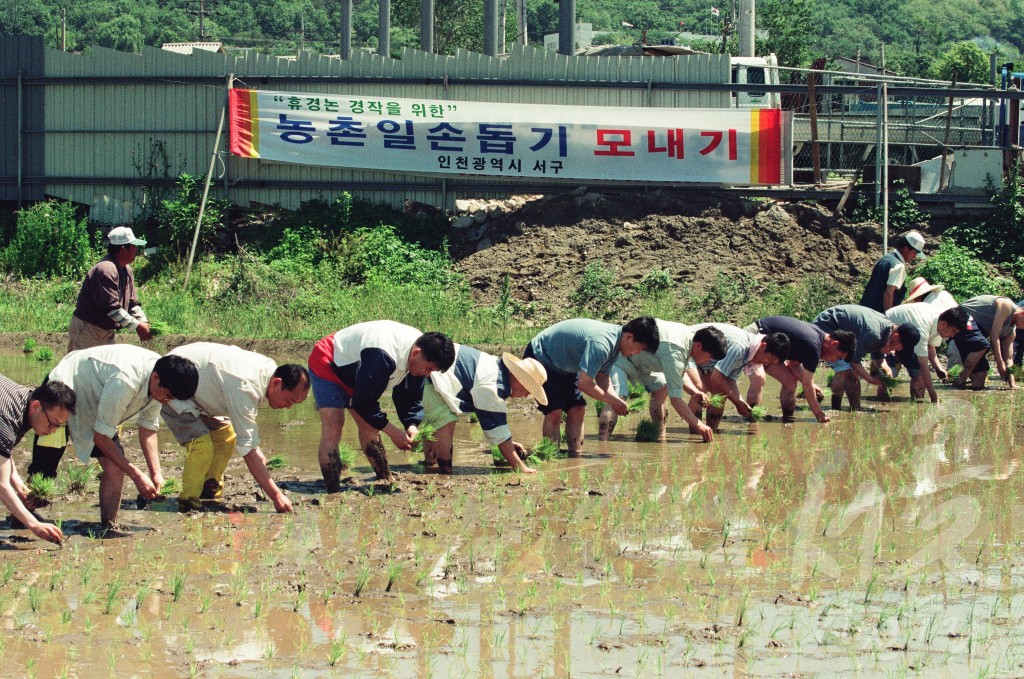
[{"x": 714, "y": 146}]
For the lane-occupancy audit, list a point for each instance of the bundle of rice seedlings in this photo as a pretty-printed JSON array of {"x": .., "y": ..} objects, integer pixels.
[
  {"x": 44, "y": 354},
  {"x": 170, "y": 487},
  {"x": 598, "y": 407},
  {"x": 347, "y": 455},
  {"x": 955, "y": 372},
  {"x": 498, "y": 458},
  {"x": 635, "y": 391},
  {"x": 889, "y": 382},
  {"x": 426, "y": 432},
  {"x": 545, "y": 450},
  {"x": 647, "y": 431},
  {"x": 639, "y": 403},
  {"x": 717, "y": 401},
  {"x": 158, "y": 328},
  {"x": 41, "y": 488},
  {"x": 276, "y": 461},
  {"x": 758, "y": 413},
  {"x": 30, "y": 345}
]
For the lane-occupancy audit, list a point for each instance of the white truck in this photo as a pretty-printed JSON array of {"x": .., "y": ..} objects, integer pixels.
[{"x": 751, "y": 71}]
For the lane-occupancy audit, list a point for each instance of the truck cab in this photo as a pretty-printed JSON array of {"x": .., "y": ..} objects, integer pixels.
[{"x": 755, "y": 71}]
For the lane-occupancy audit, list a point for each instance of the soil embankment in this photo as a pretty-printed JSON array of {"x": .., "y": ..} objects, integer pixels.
[{"x": 545, "y": 244}]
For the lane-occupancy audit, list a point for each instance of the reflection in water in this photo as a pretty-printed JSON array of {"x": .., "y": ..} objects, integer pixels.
[{"x": 887, "y": 539}]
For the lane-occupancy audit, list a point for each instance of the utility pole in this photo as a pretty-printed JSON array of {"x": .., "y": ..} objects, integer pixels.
[
  {"x": 202, "y": 12},
  {"x": 63, "y": 29},
  {"x": 521, "y": 19}
]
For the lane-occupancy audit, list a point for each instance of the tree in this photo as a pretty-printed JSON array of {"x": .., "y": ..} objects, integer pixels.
[
  {"x": 967, "y": 59},
  {"x": 790, "y": 28}
]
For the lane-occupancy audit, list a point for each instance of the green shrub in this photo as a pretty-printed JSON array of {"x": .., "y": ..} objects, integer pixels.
[
  {"x": 904, "y": 212},
  {"x": 176, "y": 218},
  {"x": 655, "y": 283},
  {"x": 963, "y": 274},
  {"x": 597, "y": 292},
  {"x": 1000, "y": 238},
  {"x": 379, "y": 253},
  {"x": 43, "y": 230}
]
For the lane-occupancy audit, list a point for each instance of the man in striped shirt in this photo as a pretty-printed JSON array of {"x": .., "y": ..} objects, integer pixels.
[{"x": 43, "y": 410}]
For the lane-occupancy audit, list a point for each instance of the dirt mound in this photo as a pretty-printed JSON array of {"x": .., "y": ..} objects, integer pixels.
[{"x": 546, "y": 244}]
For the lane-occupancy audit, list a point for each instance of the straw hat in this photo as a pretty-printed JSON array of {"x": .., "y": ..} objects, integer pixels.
[
  {"x": 530, "y": 373},
  {"x": 919, "y": 287}
]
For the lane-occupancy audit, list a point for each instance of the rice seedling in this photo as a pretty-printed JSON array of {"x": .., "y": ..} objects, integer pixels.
[
  {"x": 647, "y": 431},
  {"x": 77, "y": 476},
  {"x": 30, "y": 345},
  {"x": 35, "y": 598},
  {"x": 718, "y": 401},
  {"x": 394, "y": 572},
  {"x": 1018, "y": 372},
  {"x": 955, "y": 372},
  {"x": 637, "y": 404},
  {"x": 7, "y": 573},
  {"x": 276, "y": 461},
  {"x": 178, "y": 584},
  {"x": 44, "y": 354},
  {"x": 758, "y": 413},
  {"x": 113, "y": 590},
  {"x": 361, "y": 579}
]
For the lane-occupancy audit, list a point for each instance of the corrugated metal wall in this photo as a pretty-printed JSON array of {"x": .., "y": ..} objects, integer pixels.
[
  {"x": 116, "y": 123},
  {"x": 21, "y": 118}
]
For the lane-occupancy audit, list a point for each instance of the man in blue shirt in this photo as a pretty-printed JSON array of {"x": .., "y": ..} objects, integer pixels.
[
  {"x": 480, "y": 383},
  {"x": 885, "y": 288},
  {"x": 578, "y": 355}
]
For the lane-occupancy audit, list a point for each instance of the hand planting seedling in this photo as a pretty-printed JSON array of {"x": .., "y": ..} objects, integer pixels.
[
  {"x": 717, "y": 401},
  {"x": 758, "y": 413},
  {"x": 425, "y": 433}
]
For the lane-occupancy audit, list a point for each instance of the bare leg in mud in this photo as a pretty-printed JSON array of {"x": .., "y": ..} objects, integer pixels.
[
  {"x": 332, "y": 420},
  {"x": 574, "y": 429},
  {"x": 846, "y": 382},
  {"x": 787, "y": 394},
  {"x": 373, "y": 448},
  {"x": 440, "y": 451},
  {"x": 657, "y": 410}
]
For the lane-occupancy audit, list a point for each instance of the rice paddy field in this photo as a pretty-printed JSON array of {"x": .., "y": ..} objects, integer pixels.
[{"x": 888, "y": 543}]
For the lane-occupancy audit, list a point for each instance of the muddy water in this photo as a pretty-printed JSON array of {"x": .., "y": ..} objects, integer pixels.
[{"x": 889, "y": 541}]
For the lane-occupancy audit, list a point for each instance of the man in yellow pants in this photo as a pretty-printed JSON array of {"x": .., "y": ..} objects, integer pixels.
[{"x": 221, "y": 417}]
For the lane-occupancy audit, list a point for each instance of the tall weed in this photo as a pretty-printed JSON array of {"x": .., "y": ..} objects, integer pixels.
[{"x": 42, "y": 231}]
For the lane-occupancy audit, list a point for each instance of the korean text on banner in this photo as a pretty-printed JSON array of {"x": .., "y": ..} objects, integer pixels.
[{"x": 714, "y": 146}]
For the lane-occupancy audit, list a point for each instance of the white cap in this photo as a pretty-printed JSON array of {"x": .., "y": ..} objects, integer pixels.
[
  {"x": 123, "y": 235},
  {"x": 916, "y": 241}
]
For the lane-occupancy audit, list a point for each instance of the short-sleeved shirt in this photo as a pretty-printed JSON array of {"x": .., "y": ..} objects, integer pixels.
[
  {"x": 14, "y": 400},
  {"x": 671, "y": 357},
  {"x": 368, "y": 359},
  {"x": 983, "y": 310},
  {"x": 805, "y": 339},
  {"x": 578, "y": 345},
  {"x": 871, "y": 328},
  {"x": 924, "y": 317},
  {"x": 739, "y": 344},
  {"x": 106, "y": 288},
  {"x": 111, "y": 384},
  {"x": 232, "y": 382},
  {"x": 477, "y": 383},
  {"x": 643, "y": 368}
]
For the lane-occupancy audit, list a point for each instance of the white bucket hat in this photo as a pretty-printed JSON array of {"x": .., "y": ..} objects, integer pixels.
[
  {"x": 919, "y": 287},
  {"x": 530, "y": 373}
]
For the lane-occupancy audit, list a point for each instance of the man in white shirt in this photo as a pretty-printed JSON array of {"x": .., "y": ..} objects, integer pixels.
[
  {"x": 933, "y": 328},
  {"x": 221, "y": 417},
  {"x": 114, "y": 383}
]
